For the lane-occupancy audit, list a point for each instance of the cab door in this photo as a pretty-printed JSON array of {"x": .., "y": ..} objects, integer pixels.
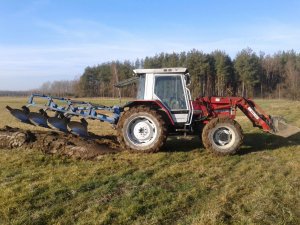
[{"x": 169, "y": 89}]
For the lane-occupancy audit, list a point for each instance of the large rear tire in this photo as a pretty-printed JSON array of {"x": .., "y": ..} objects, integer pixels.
[
  {"x": 222, "y": 136},
  {"x": 141, "y": 129}
]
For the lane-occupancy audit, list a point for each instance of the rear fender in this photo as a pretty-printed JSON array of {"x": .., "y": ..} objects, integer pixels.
[{"x": 154, "y": 104}]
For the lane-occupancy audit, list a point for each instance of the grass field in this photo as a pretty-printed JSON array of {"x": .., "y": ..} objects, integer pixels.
[{"x": 183, "y": 184}]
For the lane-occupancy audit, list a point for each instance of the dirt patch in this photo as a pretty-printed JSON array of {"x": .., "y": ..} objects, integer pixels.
[{"x": 58, "y": 143}]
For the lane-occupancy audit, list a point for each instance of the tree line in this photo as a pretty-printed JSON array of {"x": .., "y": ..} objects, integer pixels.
[{"x": 215, "y": 74}]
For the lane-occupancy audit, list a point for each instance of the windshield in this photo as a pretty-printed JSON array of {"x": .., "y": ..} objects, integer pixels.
[{"x": 170, "y": 91}]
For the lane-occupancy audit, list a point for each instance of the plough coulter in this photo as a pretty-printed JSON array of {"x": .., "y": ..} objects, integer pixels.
[{"x": 163, "y": 107}]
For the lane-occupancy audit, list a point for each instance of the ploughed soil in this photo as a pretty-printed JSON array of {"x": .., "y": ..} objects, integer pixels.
[{"x": 52, "y": 142}]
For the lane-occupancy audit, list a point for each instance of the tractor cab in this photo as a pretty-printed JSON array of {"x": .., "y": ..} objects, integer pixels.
[{"x": 169, "y": 86}]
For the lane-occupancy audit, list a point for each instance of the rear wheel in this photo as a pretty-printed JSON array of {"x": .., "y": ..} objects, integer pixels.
[
  {"x": 141, "y": 129},
  {"x": 222, "y": 136}
]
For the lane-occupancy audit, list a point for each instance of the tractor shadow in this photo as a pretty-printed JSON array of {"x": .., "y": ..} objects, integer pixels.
[
  {"x": 255, "y": 142},
  {"x": 174, "y": 144}
]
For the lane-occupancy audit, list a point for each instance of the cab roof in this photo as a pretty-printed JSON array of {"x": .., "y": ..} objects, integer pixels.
[
  {"x": 162, "y": 70},
  {"x": 138, "y": 72}
]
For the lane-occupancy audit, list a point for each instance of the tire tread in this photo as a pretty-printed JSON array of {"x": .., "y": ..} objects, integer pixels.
[
  {"x": 211, "y": 124},
  {"x": 142, "y": 109}
]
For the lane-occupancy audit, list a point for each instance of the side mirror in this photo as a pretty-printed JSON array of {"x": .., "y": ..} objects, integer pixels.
[{"x": 187, "y": 79}]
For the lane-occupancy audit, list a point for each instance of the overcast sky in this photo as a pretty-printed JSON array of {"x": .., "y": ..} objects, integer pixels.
[{"x": 46, "y": 40}]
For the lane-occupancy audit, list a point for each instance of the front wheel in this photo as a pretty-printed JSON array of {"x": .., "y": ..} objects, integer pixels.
[
  {"x": 141, "y": 129},
  {"x": 222, "y": 136}
]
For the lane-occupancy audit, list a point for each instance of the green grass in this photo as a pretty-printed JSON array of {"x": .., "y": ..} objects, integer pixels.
[{"x": 183, "y": 184}]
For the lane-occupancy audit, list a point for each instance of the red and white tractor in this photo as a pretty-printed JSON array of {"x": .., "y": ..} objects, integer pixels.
[{"x": 163, "y": 107}]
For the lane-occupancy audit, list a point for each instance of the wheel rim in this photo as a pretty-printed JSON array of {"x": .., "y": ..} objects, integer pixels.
[
  {"x": 223, "y": 137},
  {"x": 141, "y": 131}
]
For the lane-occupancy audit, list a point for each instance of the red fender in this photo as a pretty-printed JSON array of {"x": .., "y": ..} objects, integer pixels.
[{"x": 156, "y": 103}]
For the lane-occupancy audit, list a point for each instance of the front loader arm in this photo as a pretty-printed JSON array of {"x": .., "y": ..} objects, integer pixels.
[
  {"x": 255, "y": 114},
  {"x": 226, "y": 107},
  {"x": 211, "y": 107},
  {"x": 272, "y": 124}
]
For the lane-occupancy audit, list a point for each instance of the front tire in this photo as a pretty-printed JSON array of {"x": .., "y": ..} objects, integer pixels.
[
  {"x": 222, "y": 136},
  {"x": 141, "y": 129}
]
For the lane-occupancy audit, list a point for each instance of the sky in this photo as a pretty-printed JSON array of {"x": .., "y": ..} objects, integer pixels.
[{"x": 47, "y": 40}]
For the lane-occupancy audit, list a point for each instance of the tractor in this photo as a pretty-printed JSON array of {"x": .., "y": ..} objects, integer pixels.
[{"x": 163, "y": 107}]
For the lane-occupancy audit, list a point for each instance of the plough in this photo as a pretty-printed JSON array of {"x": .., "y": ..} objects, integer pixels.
[{"x": 64, "y": 110}]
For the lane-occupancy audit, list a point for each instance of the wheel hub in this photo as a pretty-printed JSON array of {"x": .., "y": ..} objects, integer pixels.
[
  {"x": 222, "y": 136},
  {"x": 141, "y": 131}
]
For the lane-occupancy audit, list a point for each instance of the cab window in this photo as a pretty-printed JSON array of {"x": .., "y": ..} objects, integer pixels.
[{"x": 169, "y": 89}]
